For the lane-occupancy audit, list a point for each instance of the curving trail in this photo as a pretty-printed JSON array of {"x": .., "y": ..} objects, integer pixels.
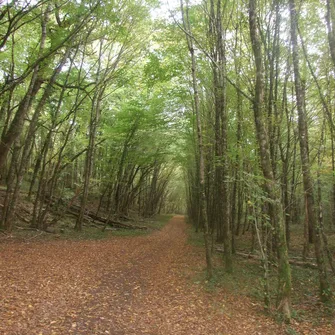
[{"x": 120, "y": 286}]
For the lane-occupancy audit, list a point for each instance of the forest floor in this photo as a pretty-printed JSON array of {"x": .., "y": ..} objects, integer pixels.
[{"x": 130, "y": 285}]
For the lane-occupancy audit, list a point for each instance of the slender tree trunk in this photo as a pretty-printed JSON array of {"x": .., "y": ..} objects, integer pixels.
[
  {"x": 7, "y": 212},
  {"x": 221, "y": 186},
  {"x": 330, "y": 18},
  {"x": 39, "y": 198},
  {"x": 93, "y": 126},
  {"x": 237, "y": 206},
  {"x": 202, "y": 194},
  {"x": 271, "y": 186},
  {"x": 325, "y": 292},
  {"x": 286, "y": 157},
  {"x": 94, "y": 120}
]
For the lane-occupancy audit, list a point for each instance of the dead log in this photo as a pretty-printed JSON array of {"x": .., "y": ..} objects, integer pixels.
[
  {"x": 113, "y": 222},
  {"x": 303, "y": 264},
  {"x": 89, "y": 216},
  {"x": 291, "y": 261}
]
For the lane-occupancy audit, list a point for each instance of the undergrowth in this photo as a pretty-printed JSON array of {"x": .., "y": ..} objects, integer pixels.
[
  {"x": 246, "y": 280},
  {"x": 65, "y": 231}
]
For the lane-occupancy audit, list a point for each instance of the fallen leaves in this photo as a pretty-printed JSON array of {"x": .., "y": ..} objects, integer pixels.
[{"x": 131, "y": 286}]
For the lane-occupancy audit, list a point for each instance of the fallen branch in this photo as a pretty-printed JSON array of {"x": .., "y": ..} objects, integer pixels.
[
  {"x": 27, "y": 228},
  {"x": 300, "y": 257},
  {"x": 30, "y": 238},
  {"x": 291, "y": 261},
  {"x": 22, "y": 218}
]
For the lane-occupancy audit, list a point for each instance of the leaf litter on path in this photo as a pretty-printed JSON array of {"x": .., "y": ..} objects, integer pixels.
[{"x": 120, "y": 286}]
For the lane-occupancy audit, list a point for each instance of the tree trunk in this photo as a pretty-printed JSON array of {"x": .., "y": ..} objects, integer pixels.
[
  {"x": 36, "y": 81},
  {"x": 325, "y": 292},
  {"x": 221, "y": 200},
  {"x": 202, "y": 194},
  {"x": 271, "y": 186}
]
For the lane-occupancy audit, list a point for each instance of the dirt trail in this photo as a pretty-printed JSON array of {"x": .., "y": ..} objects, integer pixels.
[{"x": 120, "y": 286}]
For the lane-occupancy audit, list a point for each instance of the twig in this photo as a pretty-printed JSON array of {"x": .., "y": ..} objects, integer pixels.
[{"x": 30, "y": 238}]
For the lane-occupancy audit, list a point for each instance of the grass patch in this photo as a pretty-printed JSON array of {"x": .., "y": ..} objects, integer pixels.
[
  {"x": 195, "y": 238},
  {"x": 153, "y": 224},
  {"x": 158, "y": 222},
  {"x": 245, "y": 279}
]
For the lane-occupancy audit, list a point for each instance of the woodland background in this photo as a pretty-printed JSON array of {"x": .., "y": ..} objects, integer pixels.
[{"x": 224, "y": 110}]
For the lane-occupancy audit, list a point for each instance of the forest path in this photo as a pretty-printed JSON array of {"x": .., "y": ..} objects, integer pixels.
[{"x": 120, "y": 286}]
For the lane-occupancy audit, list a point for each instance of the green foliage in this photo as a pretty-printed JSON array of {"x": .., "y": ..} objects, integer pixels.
[{"x": 136, "y": 72}]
